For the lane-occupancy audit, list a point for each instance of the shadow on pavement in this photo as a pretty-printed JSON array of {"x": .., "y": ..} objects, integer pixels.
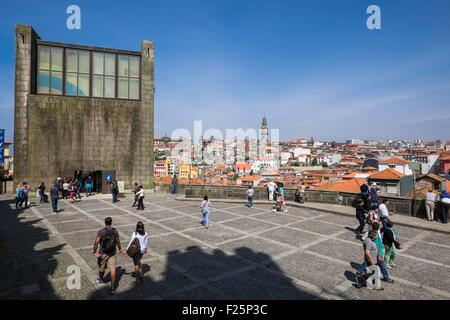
[
  {"x": 27, "y": 255},
  {"x": 216, "y": 270}
]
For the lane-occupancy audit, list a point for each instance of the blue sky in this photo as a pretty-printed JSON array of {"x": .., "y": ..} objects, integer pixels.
[{"x": 312, "y": 67}]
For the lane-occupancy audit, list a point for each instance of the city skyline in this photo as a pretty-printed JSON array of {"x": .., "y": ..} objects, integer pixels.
[{"x": 313, "y": 68}]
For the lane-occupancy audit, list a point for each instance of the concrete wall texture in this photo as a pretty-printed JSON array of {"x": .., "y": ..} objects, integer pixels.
[{"x": 57, "y": 135}]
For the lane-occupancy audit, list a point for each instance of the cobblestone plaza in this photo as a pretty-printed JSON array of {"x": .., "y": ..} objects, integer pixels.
[{"x": 245, "y": 254}]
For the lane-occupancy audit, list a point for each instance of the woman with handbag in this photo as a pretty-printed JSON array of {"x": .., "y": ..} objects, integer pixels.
[{"x": 137, "y": 247}]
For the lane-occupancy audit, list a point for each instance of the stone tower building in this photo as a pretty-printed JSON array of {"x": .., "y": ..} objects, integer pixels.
[{"x": 82, "y": 111}]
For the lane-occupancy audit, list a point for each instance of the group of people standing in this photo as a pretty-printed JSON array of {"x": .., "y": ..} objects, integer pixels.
[
  {"x": 22, "y": 191},
  {"x": 63, "y": 188},
  {"x": 431, "y": 199}
]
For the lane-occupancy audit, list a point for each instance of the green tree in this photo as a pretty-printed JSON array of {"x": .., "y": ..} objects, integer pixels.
[{"x": 314, "y": 162}]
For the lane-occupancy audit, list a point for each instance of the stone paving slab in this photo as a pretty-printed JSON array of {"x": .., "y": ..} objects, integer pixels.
[
  {"x": 429, "y": 252},
  {"x": 215, "y": 234},
  {"x": 248, "y": 225},
  {"x": 318, "y": 227},
  {"x": 294, "y": 238}
]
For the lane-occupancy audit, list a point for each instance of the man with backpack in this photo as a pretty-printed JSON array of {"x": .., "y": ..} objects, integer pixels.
[{"x": 108, "y": 239}]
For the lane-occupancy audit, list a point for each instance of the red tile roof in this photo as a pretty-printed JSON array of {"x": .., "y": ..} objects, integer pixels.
[
  {"x": 352, "y": 185},
  {"x": 388, "y": 174},
  {"x": 394, "y": 160}
]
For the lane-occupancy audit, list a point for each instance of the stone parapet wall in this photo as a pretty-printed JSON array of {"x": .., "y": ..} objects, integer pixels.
[{"x": 397, "y": 205}]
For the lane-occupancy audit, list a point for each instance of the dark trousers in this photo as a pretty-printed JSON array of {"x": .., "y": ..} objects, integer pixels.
[
  {"x": 444, "y": 212},
  {"x": 249, "y": 202},
  {"x": 25, "y": 201},
  {"x": 55, "y": 204},
  {"x": 114, "y": 197},
  {"x": 141, "y": 203},
  {"x": 174, "y": 189},
  {"x": 362, "y": 222},
  {"x": 18, "y": 202},
  {"x": 136, "y": 200}
]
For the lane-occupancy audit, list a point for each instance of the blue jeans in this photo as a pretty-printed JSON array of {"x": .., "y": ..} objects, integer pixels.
[
  {"x": 88, "y": 192},
  {"x": 362, "y": 268},
  {"x": 114, "y": 197},
  {"x": 174, "y": 189},
  {"x": 205, "y": 221},
  {"x": 384, "y": 220},
  {"x": 250, "y": 202},
  {"x": 55, "y": 204}
]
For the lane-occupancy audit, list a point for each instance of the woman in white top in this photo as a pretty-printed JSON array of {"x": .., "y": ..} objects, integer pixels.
[
  {"x": 142, "y": 236},
  {"x": 65, "y": 189}
]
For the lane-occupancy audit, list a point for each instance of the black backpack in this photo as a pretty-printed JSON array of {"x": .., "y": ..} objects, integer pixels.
[{"x": 109, "y": 242}]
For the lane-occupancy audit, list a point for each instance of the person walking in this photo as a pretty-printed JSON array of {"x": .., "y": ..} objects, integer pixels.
[
  {"x": 445, "y": 205},
  {"x": 19, "y": 196},
  {"x": 174, "y": 184},
  {"x": 88, "y": 186},
  {"x": 135, "y": 191},
  {"x": 360, "y": 216},
  {"x": 137, "y": 247},
  {"x": 384, "y": 213},
  {"x": 390, "y": 244},
  {"x": 379, "y": 241},
  {"x": 41, "y": 190},
  {"x": 140, "y": 195},
  {"x": 365, "y": 191},
  {"x": 114, "y": 191},
  {"x": 26, "y": 190},
  {"x": 205, "y": 208},
  {"x": 250, "y": 195},
  {"x": 106, "y": 242},
  {"x": 65, "y": 189},
  {"x": 54, "y": 196},
  {"x": 430, "y": 201},
  {"x": 370, "y": 257},
  {"x": 78, "y": 185},
  {"x": 281, "y": 197},
  {"x": 373, "y": 192},
  {"x": 72, "y": 192},
  {"x": 271, "y": 190}
]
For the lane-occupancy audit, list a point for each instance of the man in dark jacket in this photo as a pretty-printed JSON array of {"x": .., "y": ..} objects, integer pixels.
[
  {"x": 390, "y": 244},
  {"x": 135, "y": 191},
  {"x": 54, "y": 195},
  {"x": 360, "y": 215}
]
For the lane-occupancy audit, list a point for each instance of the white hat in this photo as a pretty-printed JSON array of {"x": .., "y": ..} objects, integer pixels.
[{"x": 373, "y": 184}]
